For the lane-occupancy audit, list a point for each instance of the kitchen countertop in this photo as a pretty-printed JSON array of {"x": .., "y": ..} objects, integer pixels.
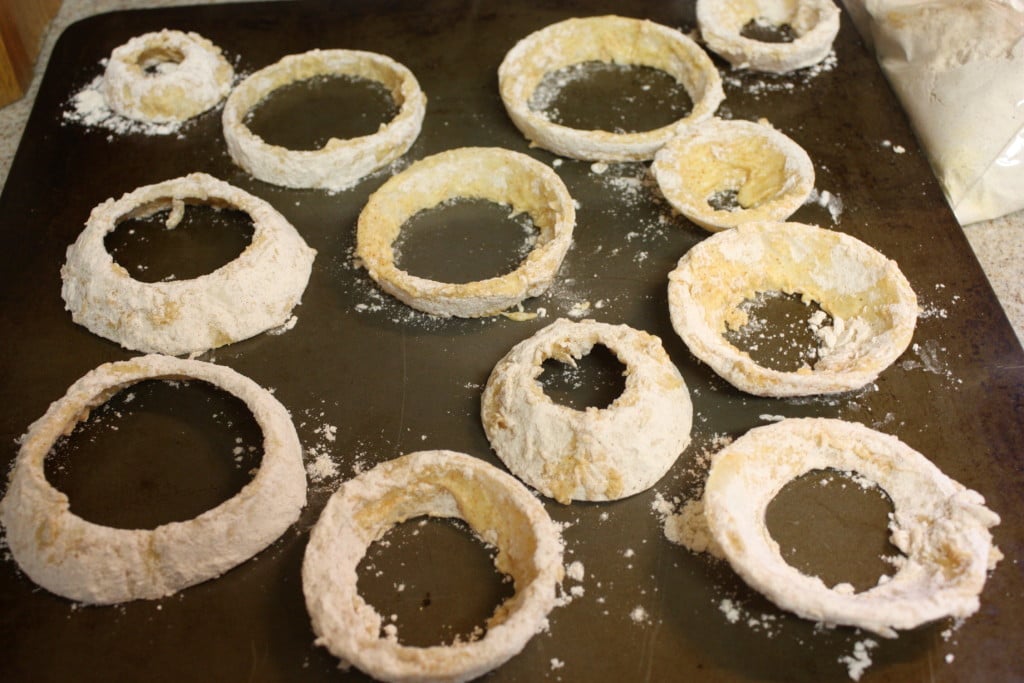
[{"x": 998, "y": 244}]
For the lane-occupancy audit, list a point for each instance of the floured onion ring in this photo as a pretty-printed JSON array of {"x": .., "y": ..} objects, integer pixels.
[
  {"x": 77, "y": 559},
  {"x": 253, "y": 293},
  {"x": 815, "y": 23},
  {"x": 166, "y": 76},
  {"x": 439, "y": 484},
  {"x": 769, "y": 174},
  {"x": 598, "y": 453},
  {"x": 612, "y": 39},
  {"x": 490, "y": 173},
  {"x": 339, "y": 164},
  {"x": 872, "y": 306},
  {"x": 940, "y": 526}
]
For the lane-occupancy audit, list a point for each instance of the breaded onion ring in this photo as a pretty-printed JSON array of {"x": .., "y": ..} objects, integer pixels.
[
  {"x": 815, "y": 23},
  {"x": 439, "y": 484},
  {"x": 339, "y": 164},
  {"x": 597, "y": 453},
  {"x": 771, "y": 175},
  {"x": 79, "y": 560},
  {"x": 872, "y": 306},
  {"x": 604, "y": 39},
  {"x": 166, "y": 76},
  {"x": 253, "y": 293},
  {"x": 940, "y": 526},
  {"x": 498, "y": 175}
]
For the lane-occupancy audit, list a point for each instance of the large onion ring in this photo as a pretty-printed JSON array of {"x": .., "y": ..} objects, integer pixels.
[
  {"x": 605, "y": 39},
  {"x": 439, "y": 484},
  {"x": 339, "y": 164},
  {"x": 198, "y": 79},
  {"x": 253, "y": 293},
  {"x": 868, "y": 297},
  {"x": 939, "y": 525},
  {"x": 770, "y": 173},
  {"x": 815, "y": 22},
  {"x": 593, "y": 454},
  {"x": 77, "y": 559},
  {"x": 498, "y": 175}
]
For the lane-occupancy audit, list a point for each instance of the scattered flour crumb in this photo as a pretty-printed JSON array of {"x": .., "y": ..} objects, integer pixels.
[
  {"x": 730, "y": 610},
  {"x": 556, "y": 663},
  {"x": 827, "y": 200},
  {"x": 638, "y": 614},
  {"x": 575, "y": 570},
  {"x": 858, "y": 662}
]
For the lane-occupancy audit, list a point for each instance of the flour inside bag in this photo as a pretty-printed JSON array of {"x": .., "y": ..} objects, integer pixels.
[{"x": 957, "y": 67}]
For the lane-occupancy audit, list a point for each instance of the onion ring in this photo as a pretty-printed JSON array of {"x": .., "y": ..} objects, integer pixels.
[
  {"x": 815, "y": 23},
  {"x": 198, "y": 80},
  {"x": 605, "y": 39},
  {"x": 79, "y": 560},
  {"x": 593, "y": 454},
  {"x": 939, "y": 525},
  {"x": 339, "y": 164},
  {"x": 253, "y": 293},
  {"x": 771, "y": 175},
  {"x": 439, "y": 484},
  {"x": 873, "y": 308},
  {"x": 498, "y": 175}
]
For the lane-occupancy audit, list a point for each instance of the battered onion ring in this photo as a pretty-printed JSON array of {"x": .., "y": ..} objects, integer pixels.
[
  {"x": 253, "y": 293},
  {"x": 939, "y": 525},
  {"x": 597, "y": 453},
  {"x": 771, "y": 174},
  {"x": 815, "y": 22},
  {"x": 439, "y": 484},
  {"x": 491, "y": 173},
  {"x": 873, "y": 308},
  {"x": 605, "y": 39},
  {"x": 79, "y": 560},
  {"x": 200, "y": 78},
  {"x": 339, "y": 164}
]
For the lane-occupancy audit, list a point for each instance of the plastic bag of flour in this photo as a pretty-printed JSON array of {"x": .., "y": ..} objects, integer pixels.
[{"x": 957, "y": 67}]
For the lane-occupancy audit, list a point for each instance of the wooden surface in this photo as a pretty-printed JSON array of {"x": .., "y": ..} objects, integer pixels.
[{"x": 22, "y": 24}]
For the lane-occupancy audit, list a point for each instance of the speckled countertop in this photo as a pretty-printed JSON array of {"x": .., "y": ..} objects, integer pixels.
[{"x": 998, "y": 244}]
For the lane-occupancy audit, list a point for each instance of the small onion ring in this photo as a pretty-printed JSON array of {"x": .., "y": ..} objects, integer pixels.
[
  {"x": 772, "y": 174},
  {"x": 595, "y": 454},
  {"x": 815, "y": 22},
  {"x": 439, "y": 484},
  {"x": 339, "y": 164},
  {"x": 606, "y": 39},
  {"x": 253, "y": 293},
  {"x": 83, "y": 561},
  {"x": 941, "y": 526},
  {"x": 200, "y": 79},
  {"x": 498, "y": 175},
  {"x": 851, "y": 281}
]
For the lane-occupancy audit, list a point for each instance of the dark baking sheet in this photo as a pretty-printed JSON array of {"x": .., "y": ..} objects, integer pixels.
[{"x": 393, "y": 381}]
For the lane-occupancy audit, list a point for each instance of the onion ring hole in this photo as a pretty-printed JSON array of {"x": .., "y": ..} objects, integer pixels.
[
  {"x": 834, "y": 525},
  {"x": 155, "y": 453},
  {"x": 596, "y": 380},
  {"x": 440, "y": 599},
  {"x": 782, "y": 331},
  {"x": 340, "y": 106},
  {"x": 160, "y": 60},
  {"x": 207, "y": 237},
  {"x": 446, "y": 242},
  {"x": 620, "y": 98}
]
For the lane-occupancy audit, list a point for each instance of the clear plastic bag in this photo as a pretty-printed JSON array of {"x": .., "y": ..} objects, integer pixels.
[{"x": 958, "y": 68}]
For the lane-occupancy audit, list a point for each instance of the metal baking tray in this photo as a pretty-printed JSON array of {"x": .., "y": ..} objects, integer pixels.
[{"x": 367, "y": 379}]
